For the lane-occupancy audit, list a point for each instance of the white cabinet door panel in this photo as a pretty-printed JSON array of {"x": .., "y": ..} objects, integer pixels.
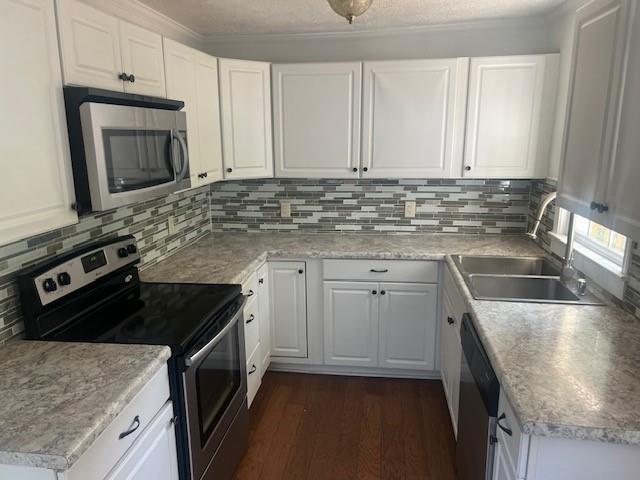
[
  {"x": 408, "y": 325},
  {"x": 209, "y": 129},
  {"x": 90, "y": 46},
  {"x": 142, "y": 57},
  {"x": 505, "y": 111},
  {"x": 316, "y": 110},
  {"x": 288, "y": 309},
  {"x": 413, "y": 116},
  {"x": 264, "y": 312},
  {"x": 37, "y": 187},
  {"x": 245, "y": 95},
  {"x": 351, "y": 323}
]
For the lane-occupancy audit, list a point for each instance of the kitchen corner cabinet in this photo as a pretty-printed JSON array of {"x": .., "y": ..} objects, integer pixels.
[
  {"x": 245, "y": 97},
  {"x": 413, "y": 118},
  {"x": 316, "y": 111},
  {"x": 600, "y": 168},
  {"x": 192, "y": 76},
  {"x": 510, "y": 114},
  {"x": 288, "y": 309},
  {"x": 97, "y": 49},
  {"x": 33, "y": 140}
]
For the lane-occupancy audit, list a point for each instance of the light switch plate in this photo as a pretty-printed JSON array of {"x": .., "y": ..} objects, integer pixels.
[
  {"x": 285, "y": 208},
  {"x": 410, "y": 209},
  {"x": 171, "y": 225}
]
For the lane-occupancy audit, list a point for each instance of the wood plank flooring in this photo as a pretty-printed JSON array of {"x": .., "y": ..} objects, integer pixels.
[{"x": 329, "y": 427}]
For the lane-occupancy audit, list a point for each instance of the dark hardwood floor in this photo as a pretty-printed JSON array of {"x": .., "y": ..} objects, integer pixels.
[{"x": 329, "y": 427}]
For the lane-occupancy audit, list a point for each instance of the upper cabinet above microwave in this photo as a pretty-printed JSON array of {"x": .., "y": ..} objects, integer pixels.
[{"x": 99, "y": 50}]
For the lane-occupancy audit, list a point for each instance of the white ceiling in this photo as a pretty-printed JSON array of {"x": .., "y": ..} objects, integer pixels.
[{"x": 210, "y": 17}]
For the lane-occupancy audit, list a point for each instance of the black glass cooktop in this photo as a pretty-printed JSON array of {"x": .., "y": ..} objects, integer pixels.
[{"x": 153, "y": 313}]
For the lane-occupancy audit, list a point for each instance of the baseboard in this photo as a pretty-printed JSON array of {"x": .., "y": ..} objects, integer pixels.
[{"x": 354, "y": 371}]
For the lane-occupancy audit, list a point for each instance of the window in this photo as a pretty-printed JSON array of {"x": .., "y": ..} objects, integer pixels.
[{"x": 592, "y": 238}]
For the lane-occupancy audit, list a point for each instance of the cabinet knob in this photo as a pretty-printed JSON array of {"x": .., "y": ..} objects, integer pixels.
[
  {"x": 132, "y": 78},
  {"x": 124, "y": 77},
  {"x": 261, "y": 281},
  {"x": 355, "y": 169},
  {"x": 450, "y": 320},
  {"x": 205, "y": 174},
  {"x": 300, "y": 271},
  {"x": 603, "y": 208},
  {"x": 365, "y": 169},
  {"x": 594, "y": 205},
  {"x": 374, "y": 292},
  {"x": 383, "y": 292},
  {"x": 467, "y": 168},
  {"x": 229, "y": 170}
]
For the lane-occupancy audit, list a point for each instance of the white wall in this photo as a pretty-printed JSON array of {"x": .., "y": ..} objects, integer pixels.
[{"x": 521, "y": 36}]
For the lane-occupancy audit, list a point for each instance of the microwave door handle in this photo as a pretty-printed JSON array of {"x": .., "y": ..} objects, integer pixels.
[
  {"x": 185, "y": 157},
  {"x": 204, "y": 351}
]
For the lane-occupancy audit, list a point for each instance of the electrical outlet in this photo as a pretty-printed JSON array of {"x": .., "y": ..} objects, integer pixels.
[
  {"x": 285, "y": 208},
  {"x": 171, "y": 225},
  {"x": 410, "y": 209}
]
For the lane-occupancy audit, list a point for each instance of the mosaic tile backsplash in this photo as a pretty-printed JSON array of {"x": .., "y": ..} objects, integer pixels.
[
  {"x": 372, "y": 206},
  {"x": 147, "y": 221}
]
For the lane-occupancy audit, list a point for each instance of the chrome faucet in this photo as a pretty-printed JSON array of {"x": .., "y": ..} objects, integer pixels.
[{"x": 544, "y": 203}]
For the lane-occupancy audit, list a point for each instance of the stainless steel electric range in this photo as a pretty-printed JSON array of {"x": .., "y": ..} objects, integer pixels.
[{"x": 94, "y": 294}]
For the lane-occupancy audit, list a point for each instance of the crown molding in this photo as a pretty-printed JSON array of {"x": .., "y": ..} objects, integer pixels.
[
  {"x": 567, "y": 8},
  {"x": 538, "y": 20},
  {"x": 134, "y": 11}
]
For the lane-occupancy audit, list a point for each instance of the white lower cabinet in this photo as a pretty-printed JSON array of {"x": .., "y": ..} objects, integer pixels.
[
  {"x": 263, "y": 317},
  {"x": 351, "y": 323},
  {"x": 254, "y": 374},
  {"x": 288, "y": 309},
  {"x": 154, "y": 453}
]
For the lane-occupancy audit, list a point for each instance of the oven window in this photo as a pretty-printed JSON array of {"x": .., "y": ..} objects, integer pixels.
[
  {"x": 217, "y": 381},
  {"x": 137, "y": 159}
]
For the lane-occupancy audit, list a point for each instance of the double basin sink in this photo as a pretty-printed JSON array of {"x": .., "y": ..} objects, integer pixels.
[{"x": 518, "y": 279}]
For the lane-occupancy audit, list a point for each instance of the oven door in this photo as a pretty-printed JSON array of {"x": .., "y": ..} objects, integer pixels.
[
  {"x": 133, "y": 153},
  {"x": 215, "y": 388}
]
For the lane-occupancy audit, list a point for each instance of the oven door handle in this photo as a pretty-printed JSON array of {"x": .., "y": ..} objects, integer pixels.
[
  {"x": 204, "y": 351},
  {"x": 180, "y": 175}
]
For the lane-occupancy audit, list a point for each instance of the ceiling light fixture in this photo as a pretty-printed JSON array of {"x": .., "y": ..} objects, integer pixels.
[{"x": 350, "y": 9}]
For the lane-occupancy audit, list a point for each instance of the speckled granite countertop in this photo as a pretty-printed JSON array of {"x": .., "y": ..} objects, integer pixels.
[
  {"x": 569, "y": 371},
  {"x": 56, "y": 398}
]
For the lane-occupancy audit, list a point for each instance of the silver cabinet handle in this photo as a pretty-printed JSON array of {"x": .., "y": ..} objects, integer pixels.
[{"x": 180, "y": 175}]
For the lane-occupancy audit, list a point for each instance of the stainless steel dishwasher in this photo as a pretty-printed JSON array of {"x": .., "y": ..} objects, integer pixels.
[{"x": 479, "y": 392}]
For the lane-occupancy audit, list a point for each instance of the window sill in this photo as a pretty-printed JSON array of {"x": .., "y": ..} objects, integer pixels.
[{"x": 603, "y": 271}]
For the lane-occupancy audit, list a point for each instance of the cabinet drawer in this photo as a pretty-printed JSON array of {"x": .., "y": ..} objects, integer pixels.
[
  {"x": 381, "y": 270},
  {"x": 516, "y": 445},
  {"x": 251, "y": 330},
  {"x": 250, "y": 287},
  {"x": 108, "y": 448},
  {"x": 254, "y": 375}
]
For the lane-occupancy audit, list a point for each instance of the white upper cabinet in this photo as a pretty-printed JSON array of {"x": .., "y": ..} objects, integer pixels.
[
  {"x": 97, "y": 49},
  {"x": 316, "y": 110},
  {"x": 142, "y": 57},
  {"x": 245, "y": 95},
  {"x": 413, "y": 118},
  {"x": 600, "y": 152},
  {"x": 37, "y": 185},
  {"x": 408, "y": 319},
  {"x": 192, "y": 77},
  {"x": 510, "y": 116}
]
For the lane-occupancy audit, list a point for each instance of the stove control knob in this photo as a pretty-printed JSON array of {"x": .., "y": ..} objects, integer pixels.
[
  {"x": 64, "y": 278},
  {"x": 131, "y": 248},
  {"x": 122, "y": 252},
  {"x": 49, "y": 285}
]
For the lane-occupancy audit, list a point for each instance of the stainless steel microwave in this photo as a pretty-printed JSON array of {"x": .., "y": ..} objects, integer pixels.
[{"x": 133, "y": 149}]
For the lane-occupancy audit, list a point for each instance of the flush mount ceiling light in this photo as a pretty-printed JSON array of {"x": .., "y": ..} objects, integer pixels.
[{"x": 350, "y": 9}]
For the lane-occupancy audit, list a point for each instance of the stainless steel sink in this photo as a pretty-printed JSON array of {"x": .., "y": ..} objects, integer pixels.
[
  {"x": 518, "y": 279},
  {"x": 526, "y": 289},
  {"x": 491, "y": 265}
]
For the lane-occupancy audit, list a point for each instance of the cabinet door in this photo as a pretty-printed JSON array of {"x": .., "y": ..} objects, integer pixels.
[
  {"x": 245, "y": 96},
  {"x": 288, "y": 309},
  {"x": 502, "y": 469},
  {"x": 408, "y": 325},
  {"x": 413, "y": 113},
  {"x": 208, "y": 97},
  {"x": 316, "y": 111},
  {"x": 180, "y": 72},
  {"x": 142, "y": 57},
  {"x": 264, "y": 314},
  {"x": 351, "y": 323},
  {"x": 33, "y": 139},
  {"x": 90, "y": 46},
  {"x": 450, "y": 358},
  {"x": 504, "y": 120},
  {"x": 154, "y": 454},
  {"x": 594, "y": 88}
]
